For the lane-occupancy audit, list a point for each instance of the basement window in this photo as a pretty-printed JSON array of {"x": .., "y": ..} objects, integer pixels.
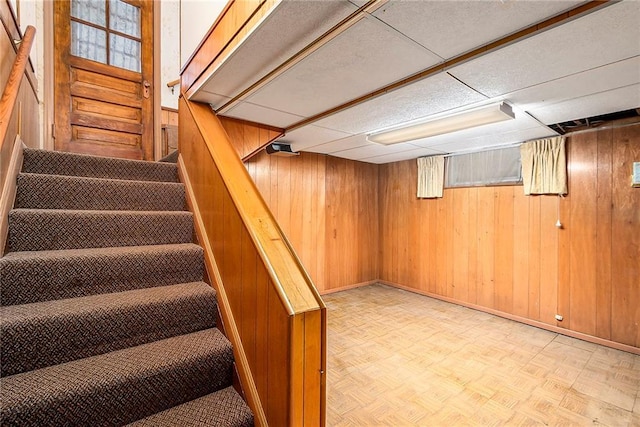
[{"x": 484, "y": 168}]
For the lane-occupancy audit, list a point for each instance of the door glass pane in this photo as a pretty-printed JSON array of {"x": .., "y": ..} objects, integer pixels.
[
  {"x": 124, "y": 18},
  {"x": 88, "y": 42},
  {"x": 93, "y": 11},
  {"x": 124, "y": 52}
]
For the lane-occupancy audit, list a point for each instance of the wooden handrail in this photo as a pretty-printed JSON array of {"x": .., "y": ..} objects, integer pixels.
[
  {"x": 294, "y": 286},
  {"x": 12, "y": 88}
]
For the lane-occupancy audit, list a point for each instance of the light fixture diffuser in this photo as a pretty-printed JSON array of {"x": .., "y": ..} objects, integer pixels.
[{"x": 468, "y": 119}]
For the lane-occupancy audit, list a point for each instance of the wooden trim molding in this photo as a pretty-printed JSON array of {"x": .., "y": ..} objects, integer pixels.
[
  {"x": 541, "y": 325},
  {"x": 9, "y": 191}
]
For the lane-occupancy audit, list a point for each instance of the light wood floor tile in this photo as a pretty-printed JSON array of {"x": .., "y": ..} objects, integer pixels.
[{"x": 400, "y": 359}]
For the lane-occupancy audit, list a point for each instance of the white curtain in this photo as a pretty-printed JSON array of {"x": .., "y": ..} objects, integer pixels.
[
  {"x": 544, "y": 166},
  {"x": 430, "y": 176}
]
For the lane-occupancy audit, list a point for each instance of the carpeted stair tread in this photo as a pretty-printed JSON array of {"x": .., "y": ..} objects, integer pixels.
[
  {"x": 224, "y": 408},
  {"x": 119, "y": 387},
  {"x": 39, "y": 191},
  {"x": 46, "y": 229},
  {"x": 28, "y": 277},
  {"x": 49, "y": 333},
  {"x": 61, "y": 163}
]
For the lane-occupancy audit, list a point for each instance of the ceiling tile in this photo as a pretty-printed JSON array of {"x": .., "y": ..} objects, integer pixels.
[
  {"x": 268, "y": 45},
  {"x": 607, "y": 77},
  {"x": 365, "y": 57},
  {"x": 372, "y": 150},
  {"x": 311, "y": 136},
  {"x": 494, "y": 140},
  {"x": 341, "y": 144},
  {"x": 579, "y": 45},
  {"x": 426, "y": 97},
  {"x": 259, "y": 114},
  {"x": 596, "y": 104},
  {"x": 449, "y": 28},
  {"x": 209, "y": 98},
  {"x": 404, "y": 155}
]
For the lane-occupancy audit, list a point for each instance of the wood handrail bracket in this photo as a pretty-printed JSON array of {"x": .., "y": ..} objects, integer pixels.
[{"x": 272, "y": 312}]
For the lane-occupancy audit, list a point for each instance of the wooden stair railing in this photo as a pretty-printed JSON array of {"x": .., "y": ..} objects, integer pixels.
[
  {"x": 272, "y": 312},
  {"x": 10, "y": 145}
]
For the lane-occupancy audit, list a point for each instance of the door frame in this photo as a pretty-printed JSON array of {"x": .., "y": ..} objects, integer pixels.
[{"x": 48, "y": 83}]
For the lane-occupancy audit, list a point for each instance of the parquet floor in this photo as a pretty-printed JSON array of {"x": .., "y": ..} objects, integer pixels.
[{"x": 400, "y": 359}]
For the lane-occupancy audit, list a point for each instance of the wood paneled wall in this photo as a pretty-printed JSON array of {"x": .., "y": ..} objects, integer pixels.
[
  {"x": 495, "y": 248},
  {"x": 328, "y": 208},
  {"x": 248, "y": 138}
]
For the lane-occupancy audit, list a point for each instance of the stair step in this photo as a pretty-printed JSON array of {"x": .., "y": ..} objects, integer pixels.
[
  {"x": 29, "y": 277},
  {"x": 222, "y": 408},
  {"x": 61, "y": 163},
  {"x": 49, "y": 333},
  {"x": 38, "y": 191},
  {"x": 45, "y": 229},
  {"x": 122, "y": 386}
]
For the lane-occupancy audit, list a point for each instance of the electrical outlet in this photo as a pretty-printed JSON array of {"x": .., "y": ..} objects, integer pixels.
[{"x": 635, "y": 178}]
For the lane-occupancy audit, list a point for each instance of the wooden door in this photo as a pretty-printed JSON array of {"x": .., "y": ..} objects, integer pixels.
[{"x": 103, "y": 74}]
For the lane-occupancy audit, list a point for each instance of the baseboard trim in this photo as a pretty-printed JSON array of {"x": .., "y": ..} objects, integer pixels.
[
  {"x": 9, "y": 191},
  {"x": 347, "y": 287},
  {"x": 537, "y": 324}
]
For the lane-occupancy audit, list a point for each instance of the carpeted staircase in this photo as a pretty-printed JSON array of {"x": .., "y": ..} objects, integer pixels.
[{"x": 104, "y": 317}]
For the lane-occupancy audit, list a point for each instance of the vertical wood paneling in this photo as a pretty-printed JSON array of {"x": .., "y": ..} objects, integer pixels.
[
  {"x": 625, "y": 235},
  {"x": 247, "y": 137},
  {"x": 486, "y": 241},
  {"x": 520, "y": 253},
  {"x": 473, "y": 245},
  {"x": 603, "y": 234},
  {"x": 460, "y": 262},
  {"x": 328, "y": 207},
  {"x": 503, "y": 251},
  {"x": 534, "y": 258},
  {"x": 583, "y": 238},
  {"x": 503, "y": 269},
  {"x": 548, "y": 259},
  {"x": 277, "y": 357}
]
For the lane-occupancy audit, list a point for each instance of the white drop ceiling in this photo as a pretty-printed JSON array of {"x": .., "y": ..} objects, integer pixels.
[{"x": 586, "y": 66}]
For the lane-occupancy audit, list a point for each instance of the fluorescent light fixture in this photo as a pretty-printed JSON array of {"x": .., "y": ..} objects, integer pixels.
[{"x": 468, "y": 119}]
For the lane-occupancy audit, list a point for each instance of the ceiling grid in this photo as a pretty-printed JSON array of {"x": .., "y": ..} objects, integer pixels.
[{"x": 587, "y": 65}]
